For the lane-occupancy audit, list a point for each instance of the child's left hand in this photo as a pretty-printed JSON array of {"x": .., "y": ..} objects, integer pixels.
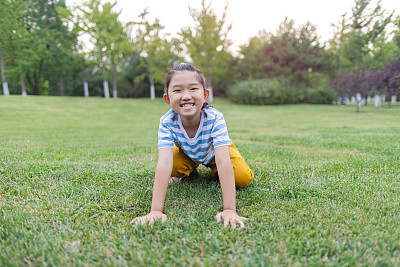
[{"x": 230, "y": 216}]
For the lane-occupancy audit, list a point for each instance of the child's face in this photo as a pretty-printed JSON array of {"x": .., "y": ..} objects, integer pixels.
[{"x": 186, "y": 94}]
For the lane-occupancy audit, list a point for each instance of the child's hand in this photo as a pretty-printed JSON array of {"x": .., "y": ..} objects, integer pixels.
[
  {"x": 230, "y": 216},
  {"x": 150, "y": 218}
]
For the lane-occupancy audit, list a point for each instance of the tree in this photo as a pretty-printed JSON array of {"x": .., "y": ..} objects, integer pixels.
[
  {"x": 251, "y": 61},
  {"x": 41, "y": 45},
  {"x": 295, "y": 53},
  {"x": 335, "y": 45},
  {"x": 396, "y": 37},
  {"x": 207, "y": 42},
  {"x": 3, "y": 74},
  {"x": 120, "y": 47},
  {"x": 160, "y": 53},
  {"x": 392, "y": 78},
  {"x": 108, "y": 36},
  {"x": 11, "y": 33},
  {"x": 360, "y": 85},
  {"x": 357, "y": 33},
  {"x": 74, "y": 23}
]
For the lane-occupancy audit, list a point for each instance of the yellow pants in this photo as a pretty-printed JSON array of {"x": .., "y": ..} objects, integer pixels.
[{"x": 243, "y": 174}]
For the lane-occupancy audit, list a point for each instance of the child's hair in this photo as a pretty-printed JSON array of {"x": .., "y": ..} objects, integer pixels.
[{"x": 185, "y": 67}]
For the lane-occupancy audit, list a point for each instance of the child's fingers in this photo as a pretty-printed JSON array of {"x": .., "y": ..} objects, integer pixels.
[
  {"x": 163, "y": 218},
  {"x": 226, "y": 222},
  {"x": 152, "y": 219},
  {"x": 136, "y": 220},
  {"x": 218, "y": 217},
  {"x": 233, "y": 223},
  {"x": 241, "y": 223}
]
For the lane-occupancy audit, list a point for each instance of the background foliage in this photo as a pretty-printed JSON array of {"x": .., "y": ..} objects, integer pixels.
[{"x": 42, "y": 52}]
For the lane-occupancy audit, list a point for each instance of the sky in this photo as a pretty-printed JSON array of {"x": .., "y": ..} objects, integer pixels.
[{"x": 247, "y": 17}]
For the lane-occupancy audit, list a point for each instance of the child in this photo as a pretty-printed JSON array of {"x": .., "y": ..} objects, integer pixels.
[{"x": 193, "y": 133}]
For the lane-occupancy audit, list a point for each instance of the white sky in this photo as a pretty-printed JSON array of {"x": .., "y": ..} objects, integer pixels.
[{"x": 247, "y": 17}]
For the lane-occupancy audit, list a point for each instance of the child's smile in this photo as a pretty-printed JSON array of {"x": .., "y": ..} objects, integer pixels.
[{"x": 187, "y": 105}]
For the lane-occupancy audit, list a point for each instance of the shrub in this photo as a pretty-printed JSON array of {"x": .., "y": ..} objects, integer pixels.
[
  {"x": 279, "y": 91},
  {"x": 263, "y": 92},
  {"x": 320, "y": 95}
]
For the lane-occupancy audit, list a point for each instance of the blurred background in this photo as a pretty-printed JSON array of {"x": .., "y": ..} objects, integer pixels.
[{"x": 281, "y": 52}]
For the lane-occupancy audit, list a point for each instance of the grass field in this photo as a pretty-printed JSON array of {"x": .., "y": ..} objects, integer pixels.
[{"x": 75, "y": 171}]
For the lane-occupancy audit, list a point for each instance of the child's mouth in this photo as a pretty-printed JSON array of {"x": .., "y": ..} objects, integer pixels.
[{"x": 187, "y": 105}]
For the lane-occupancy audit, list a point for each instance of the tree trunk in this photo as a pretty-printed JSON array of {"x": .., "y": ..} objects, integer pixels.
[
  {"x": 394, "y": 99},
  {"x": 358, "y": 99},
  {"x": 23, "y": 89},
  {"x": 34, "y": 85},
  {"x": 105, "y": 81},
  {"x": 3, "y": 74},
  {"x": 377, "y": 101},
  {"x": 61, "y": 83},
  {"x": 209, "y": 84},
  {"x": 115, "y": 84},
  {"x": 105, "y": 84},
  {"x": 152, "y": 88},
  {"x": 85, "y": 84}
]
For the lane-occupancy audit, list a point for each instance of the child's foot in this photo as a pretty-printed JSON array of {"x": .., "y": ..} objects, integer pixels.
[{"x": 194, "y": 173}]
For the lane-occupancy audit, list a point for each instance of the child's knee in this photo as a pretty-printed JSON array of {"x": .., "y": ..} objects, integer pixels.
[
  {"x": 182, "y": 164},
  {"x": 243, "y": 177}
]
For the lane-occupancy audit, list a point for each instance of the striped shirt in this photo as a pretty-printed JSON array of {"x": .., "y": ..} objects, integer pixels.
[{"x": 212, "y": 133}]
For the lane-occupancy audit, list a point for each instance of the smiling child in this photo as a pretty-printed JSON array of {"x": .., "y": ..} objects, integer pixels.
[{"x": 190, "y": 134}]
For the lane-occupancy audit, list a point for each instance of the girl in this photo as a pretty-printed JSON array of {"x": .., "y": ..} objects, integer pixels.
[{"x": 193, "y": 133}]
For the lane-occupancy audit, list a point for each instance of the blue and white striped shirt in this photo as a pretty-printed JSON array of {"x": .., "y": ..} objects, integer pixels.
[{"x": 212, "y": 132}]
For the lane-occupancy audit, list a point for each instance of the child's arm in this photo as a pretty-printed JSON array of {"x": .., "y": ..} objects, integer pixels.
[
  {"x": 227, "y": 180},
  {"x": 162, "y": 175}
]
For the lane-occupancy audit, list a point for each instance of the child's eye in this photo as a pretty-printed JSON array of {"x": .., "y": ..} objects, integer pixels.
[
  {"x": 195, "y": 88},
  {"x": 176, "y": 91}
]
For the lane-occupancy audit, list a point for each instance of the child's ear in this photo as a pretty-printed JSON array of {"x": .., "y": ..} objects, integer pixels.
[
  {"x": 166, "y": 99},
  {"x": 206, "y": 94}
]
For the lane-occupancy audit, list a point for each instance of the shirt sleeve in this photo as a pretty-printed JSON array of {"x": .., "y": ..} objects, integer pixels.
[
  {"x": 165, "y": 137},
  {"x": 219, "y": 133}
]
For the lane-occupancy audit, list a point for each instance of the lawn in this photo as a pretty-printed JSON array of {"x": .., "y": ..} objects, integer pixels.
[{"x": 75, "y": 171}]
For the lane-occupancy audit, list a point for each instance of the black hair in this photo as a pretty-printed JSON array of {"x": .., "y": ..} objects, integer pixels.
[{"x": 185, "y": 67}]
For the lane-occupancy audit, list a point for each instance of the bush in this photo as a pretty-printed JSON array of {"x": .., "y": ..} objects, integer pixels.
[
  {"x": 320, "y": 95},
  {"x": 278, "y": 91},
  {"x": 263, "y": 92}
]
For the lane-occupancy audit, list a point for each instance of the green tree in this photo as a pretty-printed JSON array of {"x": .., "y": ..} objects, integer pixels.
[
  {"x": 12, "y": 36},
  {"x": 207, "y": 43},
  {"x": 160, "y": 52},
  {"x": 74, "y": 23},
  {"x": 120, "y": 46},
  {"x": 3, "y": 74},
  {"x": 251, "y": 61},
  {"x": 63, "y": 49},
  {"x": 295, "y": 54},
  {"x": 396, "y": 34},
  {"x": 335, "y": 45},
  {"x": 108, "y": 36},
  {"x": 43, "y": 51},
  {"x": 360, "y": 35}
]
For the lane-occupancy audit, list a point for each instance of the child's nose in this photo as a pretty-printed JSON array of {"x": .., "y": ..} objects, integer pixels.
[{"x": 186, "y": 94}]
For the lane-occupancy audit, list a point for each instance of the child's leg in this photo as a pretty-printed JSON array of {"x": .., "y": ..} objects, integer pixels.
[
  {"x": 243, "y": 174},
  {"x": 182, "y": 164}
]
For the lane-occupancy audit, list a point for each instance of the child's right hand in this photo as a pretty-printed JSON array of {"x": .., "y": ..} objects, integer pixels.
[{"x": 150, "y": 218}]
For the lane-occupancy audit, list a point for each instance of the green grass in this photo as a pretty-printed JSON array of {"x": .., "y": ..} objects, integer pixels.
[{"x": 74, "y": 172}]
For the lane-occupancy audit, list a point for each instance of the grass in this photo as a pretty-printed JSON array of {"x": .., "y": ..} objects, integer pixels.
[{"x": 75, "y": 171}]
